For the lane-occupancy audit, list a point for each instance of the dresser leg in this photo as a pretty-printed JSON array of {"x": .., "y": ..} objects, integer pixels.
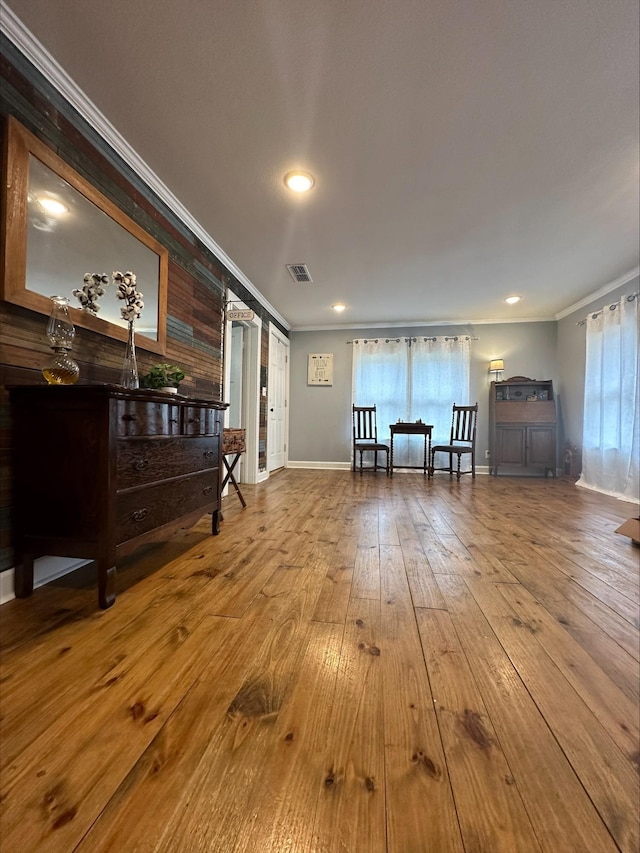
[
  {"x": 216, "y": 515},
  {"x": 106, "y": 585},
  {"x": 24, "y": 575}
]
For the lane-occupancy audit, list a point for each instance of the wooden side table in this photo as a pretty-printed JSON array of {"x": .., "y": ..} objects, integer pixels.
[
  {"x": 412, "y": 429},
  {"x": 233, "y": 445}
]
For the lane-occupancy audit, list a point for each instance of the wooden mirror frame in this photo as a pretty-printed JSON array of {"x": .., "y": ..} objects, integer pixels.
[{"x": 19, "y": 144}]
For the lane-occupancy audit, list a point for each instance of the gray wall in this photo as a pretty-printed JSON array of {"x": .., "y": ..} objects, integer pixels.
[
  {"x": 320, "y": 418},
  {"x": 571, "y": 360}
]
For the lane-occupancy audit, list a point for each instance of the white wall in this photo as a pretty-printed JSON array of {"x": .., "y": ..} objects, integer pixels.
[{"x": 320, "y": 418}]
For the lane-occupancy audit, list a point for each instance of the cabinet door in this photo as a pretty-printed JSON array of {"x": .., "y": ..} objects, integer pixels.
[
  {"x": 510, "y": 445},
  {"x": 541, "y": 449}
]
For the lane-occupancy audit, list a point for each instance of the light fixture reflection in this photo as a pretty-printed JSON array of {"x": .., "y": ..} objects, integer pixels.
[
  {"x": 511, "y": 300},
  {"x": 339, "y": 307},
  {"x": 299, "y": 182},
  {"x": 53, "y": 206}
]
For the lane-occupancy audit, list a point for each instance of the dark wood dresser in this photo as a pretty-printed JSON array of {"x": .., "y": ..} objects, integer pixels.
[{"x": 98, "y": 470}]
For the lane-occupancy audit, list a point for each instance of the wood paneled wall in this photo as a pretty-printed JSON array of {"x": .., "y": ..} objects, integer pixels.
[{"x": 197, "y": 279}]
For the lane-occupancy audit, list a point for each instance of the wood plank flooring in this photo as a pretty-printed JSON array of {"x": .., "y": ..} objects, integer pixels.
[{"x": 357, "y": 664}]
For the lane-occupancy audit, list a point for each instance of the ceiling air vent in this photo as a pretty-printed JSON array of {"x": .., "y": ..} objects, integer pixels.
[{"x": 299, "y": 272}]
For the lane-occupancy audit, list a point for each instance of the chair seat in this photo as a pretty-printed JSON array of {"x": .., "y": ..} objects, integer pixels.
[
  {"x": 370, "y": 445},
  {"x": 452, "y": 448}
]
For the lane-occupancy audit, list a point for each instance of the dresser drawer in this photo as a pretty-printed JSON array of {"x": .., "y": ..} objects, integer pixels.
[
  {"x": 146, "y": 460},
  {"x": 137, "y": 417},
  {"x": 200, "y": 421},
  {"x": 141, "y": 510}
]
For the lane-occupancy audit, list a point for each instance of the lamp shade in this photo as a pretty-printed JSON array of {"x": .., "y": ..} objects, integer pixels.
[{"x": 496, "y": 364}]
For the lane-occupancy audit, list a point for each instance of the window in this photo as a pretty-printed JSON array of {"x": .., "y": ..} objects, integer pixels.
[
  {"x": 411, "y": 379},
  {"x": 611, "y": 429}
]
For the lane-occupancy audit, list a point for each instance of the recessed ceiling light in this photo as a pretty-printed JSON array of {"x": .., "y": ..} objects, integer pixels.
[
  {"x": 299, "y": 182},
  {"x": 52, "y": 205},
  {"x": 513, "y": 299},
  {"x": 339, "y": 307}
]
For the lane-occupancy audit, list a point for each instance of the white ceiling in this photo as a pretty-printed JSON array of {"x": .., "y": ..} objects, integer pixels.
[{"x": 463, "y": 150}]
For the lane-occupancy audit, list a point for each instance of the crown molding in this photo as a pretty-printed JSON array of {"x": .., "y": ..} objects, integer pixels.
[
  {"x": 48, "y": 66},
  {"x": 421, "y": 324},
  {"x": 607, "y": 288}
]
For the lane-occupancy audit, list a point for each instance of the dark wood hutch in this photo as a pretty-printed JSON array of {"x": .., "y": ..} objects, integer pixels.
[{"x": 522, "y": 426}]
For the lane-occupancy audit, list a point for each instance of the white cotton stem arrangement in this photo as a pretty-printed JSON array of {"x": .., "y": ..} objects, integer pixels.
[
  {"x": 126, "y": 290},
  {"x": 92, "y": 289}
]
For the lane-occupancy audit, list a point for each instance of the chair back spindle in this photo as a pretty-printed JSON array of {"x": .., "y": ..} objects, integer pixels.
[
  {"x": 364, "y": 424},
  {"x": 463, "y": 424}
]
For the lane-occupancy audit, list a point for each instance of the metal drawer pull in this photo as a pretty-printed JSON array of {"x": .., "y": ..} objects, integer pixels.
[
  {"x": 140, "y": 514},
  {"x": 209, "y": 454},
  {"x": 207, "y": 489},
  {"x": 173, "y": 420},
  {"x": 141, "y": 464},
  {"x": 194, "y": 420},
  {"x": 128, "y": 417}
]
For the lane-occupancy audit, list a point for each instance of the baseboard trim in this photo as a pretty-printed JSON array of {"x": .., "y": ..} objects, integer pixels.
[
  {"x": 7, "y": 586},
  {"x": 45, "y": 570},
  {"x": 324, "y": 466},
  {"x": 346, "y": 466}
]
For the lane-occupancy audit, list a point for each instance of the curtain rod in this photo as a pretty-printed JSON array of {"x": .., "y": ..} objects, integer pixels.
[
  {"x": 409, "y": 340},
  {"x": 611, "y": 307}
]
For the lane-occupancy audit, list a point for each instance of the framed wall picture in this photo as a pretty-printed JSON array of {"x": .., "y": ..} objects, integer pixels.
[{"x": 320, "y": 368}]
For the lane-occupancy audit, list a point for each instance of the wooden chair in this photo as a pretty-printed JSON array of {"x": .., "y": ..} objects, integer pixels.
[
  {"x": 365, "y": 437},
  {"x": 462, "y": 440}
]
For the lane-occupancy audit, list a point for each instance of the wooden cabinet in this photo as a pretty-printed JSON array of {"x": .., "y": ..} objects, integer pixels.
[
  {"x": 98, "y": 470},
  {"x": 522, "y": 426}
]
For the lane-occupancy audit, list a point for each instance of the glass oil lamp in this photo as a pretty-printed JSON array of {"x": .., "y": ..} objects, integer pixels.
[{"x": 62, "y": 369}]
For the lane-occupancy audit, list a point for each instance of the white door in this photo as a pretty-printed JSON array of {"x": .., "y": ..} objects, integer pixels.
[
  {"x": 236, "y": 386},
  {"x": 277, "y": 397}
]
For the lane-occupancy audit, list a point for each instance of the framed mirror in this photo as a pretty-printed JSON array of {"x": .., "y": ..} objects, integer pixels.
[{"x": 57, "y": 227}]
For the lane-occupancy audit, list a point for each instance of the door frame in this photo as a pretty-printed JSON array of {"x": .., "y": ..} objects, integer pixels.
[
  {"x": 275, "y": 331},
  {"x": 251, "y": 392}
]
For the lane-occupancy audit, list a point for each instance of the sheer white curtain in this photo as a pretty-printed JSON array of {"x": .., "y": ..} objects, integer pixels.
[
  {"x": 611, "y": 430},
  {"x": 440, "y": 378},
  {"x": 411, "y": 379},
  {"x": 380, "y": 378}
]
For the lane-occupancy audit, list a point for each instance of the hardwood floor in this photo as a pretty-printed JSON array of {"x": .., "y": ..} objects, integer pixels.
[{"x": 356, "y": 664}]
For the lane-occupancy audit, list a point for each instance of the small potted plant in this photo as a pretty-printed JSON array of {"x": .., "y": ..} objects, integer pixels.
[{"x": 164, "y": 377}]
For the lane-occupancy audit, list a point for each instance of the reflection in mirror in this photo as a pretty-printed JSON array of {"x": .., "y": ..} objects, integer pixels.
[
  {"x": 57, "y": 227},
  {"x": 62, "y": 226}
]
